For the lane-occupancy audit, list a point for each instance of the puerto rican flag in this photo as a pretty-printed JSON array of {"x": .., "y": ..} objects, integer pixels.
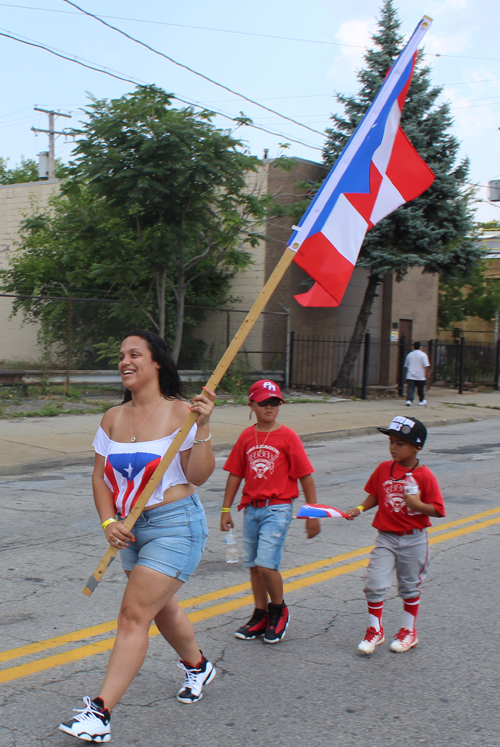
[
  {"x": 320, "y": 511},
  {"x": 127, "y": 475},
  {"x": 378, "y": 171}
]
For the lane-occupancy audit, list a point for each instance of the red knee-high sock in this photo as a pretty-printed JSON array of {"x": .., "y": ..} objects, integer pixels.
[
  {"x": 410, "y": 612},
  {"x": 375, "y": 610}
]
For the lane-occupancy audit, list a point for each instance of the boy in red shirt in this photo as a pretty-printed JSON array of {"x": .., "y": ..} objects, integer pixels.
[
  {"x": 270, "y": 458},
  {"x": 402, "y": 520}
]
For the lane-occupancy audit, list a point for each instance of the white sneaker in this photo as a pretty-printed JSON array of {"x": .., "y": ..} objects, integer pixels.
[
  {"x": 195, "y": 679},
  {"x": 404, "y": 640},
  {"x": 409, "y": 403},
  {"x": 91, "y": 724},
  {"x": 423, "y": 403},
  {"x": 372, "y": 639}
]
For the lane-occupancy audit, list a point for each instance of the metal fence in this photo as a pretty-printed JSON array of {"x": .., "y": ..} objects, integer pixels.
[
  {"x": 315, "y": 361},
  {"x": 460, "y": 363}
]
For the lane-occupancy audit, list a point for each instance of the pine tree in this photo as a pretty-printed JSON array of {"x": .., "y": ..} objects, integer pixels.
[{"x": 435, "y": 230}]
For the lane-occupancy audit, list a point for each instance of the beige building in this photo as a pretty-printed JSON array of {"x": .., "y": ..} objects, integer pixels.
[
  {"x": 475, "y": 329},
  {"x": 409, "y": 306},
  {"x": 18, "y": 341}
]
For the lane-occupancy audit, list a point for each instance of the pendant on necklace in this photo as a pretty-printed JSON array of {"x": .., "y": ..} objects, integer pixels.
[{"x": 132, "y": 439}]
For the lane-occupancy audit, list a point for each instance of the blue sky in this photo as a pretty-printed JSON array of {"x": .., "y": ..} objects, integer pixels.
[{"x": 291, "y": 57}]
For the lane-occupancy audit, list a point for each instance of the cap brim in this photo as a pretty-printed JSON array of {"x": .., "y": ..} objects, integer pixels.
[{"x": 385, "y": 431}]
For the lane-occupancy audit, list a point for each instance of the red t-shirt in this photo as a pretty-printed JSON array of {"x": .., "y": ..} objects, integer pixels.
[
  {"x": 393, "y": 515},
  {"x": 270, "y": 470}
]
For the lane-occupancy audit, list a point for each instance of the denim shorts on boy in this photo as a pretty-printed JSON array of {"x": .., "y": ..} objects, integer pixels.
[
  {"x": 169, "y": 539},
  {"x": 264, "y": 533}
]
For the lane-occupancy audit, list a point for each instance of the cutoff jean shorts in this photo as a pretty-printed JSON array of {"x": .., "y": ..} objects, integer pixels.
[
  {"x": 264, "y": 533},
  {"x": 169, "y": 539}
]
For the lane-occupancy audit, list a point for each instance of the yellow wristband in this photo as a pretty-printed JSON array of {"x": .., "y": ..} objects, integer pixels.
[
  {"x": 361, "y": 509},
  {"x": 225, "y": 510},
  {"x": 105, "y": 523}
]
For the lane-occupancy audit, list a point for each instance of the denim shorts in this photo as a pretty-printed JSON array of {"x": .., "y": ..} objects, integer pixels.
[
  {"x": 264, "y": 532},
  {"x": 169, "y": 539}
]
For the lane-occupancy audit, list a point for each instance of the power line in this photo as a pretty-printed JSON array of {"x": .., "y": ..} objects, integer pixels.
[
  {"x": 76, "y": 61},
  {"x": 191, "y": 70}
]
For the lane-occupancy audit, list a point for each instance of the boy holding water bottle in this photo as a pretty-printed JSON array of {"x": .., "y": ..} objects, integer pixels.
[
  {"x": 406, "y": 494},
  {"x": 269, "y": 459}
]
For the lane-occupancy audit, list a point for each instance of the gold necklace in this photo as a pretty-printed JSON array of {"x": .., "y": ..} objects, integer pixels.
[
  {"x": 259, "y": 453},
  {"x": 132, "y": 437}
]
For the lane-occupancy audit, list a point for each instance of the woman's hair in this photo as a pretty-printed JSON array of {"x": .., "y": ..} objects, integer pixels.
[{"x": 169, "y": 379}]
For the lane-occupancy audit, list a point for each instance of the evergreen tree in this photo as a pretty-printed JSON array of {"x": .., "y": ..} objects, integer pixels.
[{"x": 435, "y": 230}]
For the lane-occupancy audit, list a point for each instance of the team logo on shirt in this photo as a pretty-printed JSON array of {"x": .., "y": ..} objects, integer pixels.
[
  {"x": 261, "y": 460},
  {"x": 394, "y": 498}
]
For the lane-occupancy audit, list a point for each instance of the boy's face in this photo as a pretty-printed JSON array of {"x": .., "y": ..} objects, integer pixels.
[
  {"x": 403, "y": 452},
  {"x": 266, "y": 411}
]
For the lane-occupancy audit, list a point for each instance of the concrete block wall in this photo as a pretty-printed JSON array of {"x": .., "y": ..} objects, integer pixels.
[{"x": 18, "y": 341}]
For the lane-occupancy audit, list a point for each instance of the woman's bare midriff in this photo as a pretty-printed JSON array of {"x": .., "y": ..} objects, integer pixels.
[{"x": 175, "y": 493}]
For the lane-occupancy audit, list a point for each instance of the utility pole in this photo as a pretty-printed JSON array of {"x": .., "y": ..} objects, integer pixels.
[{"x": 51, "y": 132}]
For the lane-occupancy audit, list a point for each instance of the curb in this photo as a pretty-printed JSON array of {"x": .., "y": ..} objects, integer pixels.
[{"x": 85, "y": 461}]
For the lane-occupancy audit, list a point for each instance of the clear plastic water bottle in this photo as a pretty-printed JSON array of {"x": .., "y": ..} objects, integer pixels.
[
  {"x": 231, "y": 547},
  {"x": 411, "y": 485}
]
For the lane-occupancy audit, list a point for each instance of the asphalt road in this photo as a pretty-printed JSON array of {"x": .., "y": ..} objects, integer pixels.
[{"x": 313, "y": 688}]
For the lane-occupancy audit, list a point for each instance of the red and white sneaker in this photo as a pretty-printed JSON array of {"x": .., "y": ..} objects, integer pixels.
[
  {"x": 372, "y": 639},
  {"x": 278, "y": 619},
  {"x": 404, "y": 640}
]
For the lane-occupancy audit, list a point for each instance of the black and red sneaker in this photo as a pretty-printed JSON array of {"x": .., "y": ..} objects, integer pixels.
[
  {"x": 279, "y": 617},
  {"x": 257, "y": 625}
]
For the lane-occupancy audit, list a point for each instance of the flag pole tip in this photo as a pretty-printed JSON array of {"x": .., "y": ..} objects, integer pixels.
[{"x": 427, "y": 19}]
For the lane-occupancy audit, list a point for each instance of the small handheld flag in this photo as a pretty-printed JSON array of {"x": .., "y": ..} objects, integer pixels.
[
  {"x": 378, "y": 171},
  {"x": 320, "y": 511}
]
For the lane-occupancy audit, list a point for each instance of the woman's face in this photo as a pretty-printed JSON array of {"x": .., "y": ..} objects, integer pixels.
[{"x": 136, "y": 364}]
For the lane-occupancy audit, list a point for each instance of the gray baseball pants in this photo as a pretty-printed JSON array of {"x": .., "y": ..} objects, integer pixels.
[{"x": 407, "y": 554}]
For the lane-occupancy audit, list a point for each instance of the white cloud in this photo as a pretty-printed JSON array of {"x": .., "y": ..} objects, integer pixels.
[{"x": 355, "y": 37}]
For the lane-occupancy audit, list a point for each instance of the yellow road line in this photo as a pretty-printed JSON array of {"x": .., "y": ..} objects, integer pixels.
[
  {"x": 95, "y": 630},
  {"x": 98, "y": 647}
]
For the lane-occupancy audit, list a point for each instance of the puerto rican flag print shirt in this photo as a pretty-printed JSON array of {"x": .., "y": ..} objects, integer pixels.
[{"x": 129, "y": 466}]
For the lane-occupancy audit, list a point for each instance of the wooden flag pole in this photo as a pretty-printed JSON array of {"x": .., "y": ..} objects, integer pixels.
[{"x": 212, "y": 384}]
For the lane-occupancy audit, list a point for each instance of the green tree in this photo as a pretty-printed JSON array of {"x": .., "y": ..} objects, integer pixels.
[
  {"x": 154, "y": 210},
  {"x": 26, "y": 171},
  {"x": 435, "y": 231},
  {"x": 459, "y": 299}
]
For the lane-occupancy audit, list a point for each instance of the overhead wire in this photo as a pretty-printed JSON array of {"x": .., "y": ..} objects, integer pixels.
[
  {"x": 190, "y": 69},
  {"x": 238, "y": 32},
  {"x": 77, "y": 61}
]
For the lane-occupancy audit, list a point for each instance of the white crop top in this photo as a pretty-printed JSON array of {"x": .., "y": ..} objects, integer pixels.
[{"x": 129, "y": 466}]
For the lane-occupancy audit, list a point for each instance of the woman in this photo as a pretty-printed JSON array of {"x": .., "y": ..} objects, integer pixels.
[{"x": 167, "y": 541}]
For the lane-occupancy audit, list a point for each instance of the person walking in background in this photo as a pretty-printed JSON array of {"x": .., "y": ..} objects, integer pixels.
[
  {"x": 270, "y": 458},
  {"x": 169, "y": 537},
  {"x": 418, "y": 369}
]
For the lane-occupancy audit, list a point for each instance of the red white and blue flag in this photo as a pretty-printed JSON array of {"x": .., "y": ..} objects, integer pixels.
[
  {"x": 378, "y": 171},
  {"x": 320, "y": 511}
]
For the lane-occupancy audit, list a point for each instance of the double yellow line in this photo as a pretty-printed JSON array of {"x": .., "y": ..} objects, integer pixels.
[{"x": 307, "y": 574}]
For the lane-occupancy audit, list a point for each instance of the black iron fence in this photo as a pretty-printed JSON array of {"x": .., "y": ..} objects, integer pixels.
[{"x": 315, "y": 361}]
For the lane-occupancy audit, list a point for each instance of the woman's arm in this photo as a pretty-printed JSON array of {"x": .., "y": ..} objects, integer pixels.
[
  {"x": 103, "y": 500},
  {"x": 198, "y": 462}
]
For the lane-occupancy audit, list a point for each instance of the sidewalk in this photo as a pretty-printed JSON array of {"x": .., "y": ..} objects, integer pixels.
[{"x": 33, "y": 444}]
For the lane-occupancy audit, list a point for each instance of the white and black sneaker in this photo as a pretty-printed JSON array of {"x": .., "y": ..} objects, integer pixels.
[
  {"x": 91, "y": 724},
  {"x": 196, "y": 677}
]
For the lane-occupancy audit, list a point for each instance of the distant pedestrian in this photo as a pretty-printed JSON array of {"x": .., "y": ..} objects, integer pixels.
[
  {"x": 418, "y": 369},
  {"x": 270, "y": 458},
  {"x": 406, "y": 494},
  {"x": 169, "y": 537}
]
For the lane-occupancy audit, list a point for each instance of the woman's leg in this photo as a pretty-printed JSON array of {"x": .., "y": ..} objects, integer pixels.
[
  {"x": 146, "y": 593},
  {"x": 177, "y": 629}
]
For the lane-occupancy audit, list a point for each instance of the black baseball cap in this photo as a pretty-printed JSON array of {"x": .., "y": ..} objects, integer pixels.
[{"x": 410, "y": 429}]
